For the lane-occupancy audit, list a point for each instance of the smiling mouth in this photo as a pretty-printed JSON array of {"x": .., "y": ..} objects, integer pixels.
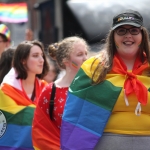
[{"x": 128, "y": 43}]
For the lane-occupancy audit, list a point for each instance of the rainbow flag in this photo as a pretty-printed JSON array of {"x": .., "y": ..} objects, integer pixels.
[
  {"x": 88, "y": 107},
  {"x": 84, "y": 106},
  {"x": 42, "y": 138},
  {"x": 15, "y": 125},
  {"x": 16, "y": 114},
  {"x": 13, "y": 12}
]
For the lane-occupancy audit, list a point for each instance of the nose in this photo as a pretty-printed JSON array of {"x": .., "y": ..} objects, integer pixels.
[
  {"x": 41, "y": 59},
  {"x": 128, "y": 33},
  {"x": 85, "y": 57}
]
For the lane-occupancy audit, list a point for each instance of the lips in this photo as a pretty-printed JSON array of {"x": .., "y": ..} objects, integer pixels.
[
  {"x": 128, "y": 43},
  {"x": 40, "y": 66}
]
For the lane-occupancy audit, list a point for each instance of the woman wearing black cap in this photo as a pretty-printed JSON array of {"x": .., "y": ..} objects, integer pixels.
[{"x": 107, "y": 106}]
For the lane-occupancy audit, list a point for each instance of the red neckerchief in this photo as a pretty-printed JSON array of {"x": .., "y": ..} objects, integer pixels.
[
  {"x": 132, "y": 84},
  {"x": 18, "y": 96}
]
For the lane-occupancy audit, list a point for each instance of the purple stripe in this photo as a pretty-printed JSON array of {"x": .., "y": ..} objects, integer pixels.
[
  {"x": 85, "y": 114},
  {"x": 72, "y": 141},
  {"x": 13, "y": 148}
]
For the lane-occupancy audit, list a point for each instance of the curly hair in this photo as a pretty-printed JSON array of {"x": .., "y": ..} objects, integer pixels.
[{"x": 61, "y": 51}]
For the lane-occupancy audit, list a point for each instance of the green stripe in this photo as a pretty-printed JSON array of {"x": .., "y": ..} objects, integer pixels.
[
  {"x": 23, "y": 117},
  {"x": 104, "y": 94}
]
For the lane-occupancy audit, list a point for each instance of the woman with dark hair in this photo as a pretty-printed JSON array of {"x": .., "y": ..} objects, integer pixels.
[
  {"x": 108, "y": 103},
  {"x": 6, "y": 62},
  {"x": 19, "y": 93}
]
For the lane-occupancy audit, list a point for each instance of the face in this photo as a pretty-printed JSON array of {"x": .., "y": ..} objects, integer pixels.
[
  {"x": 35, "y": 61},
  {"x": 3, "y": 45},
  {"x": 128, "y": 45},
  {"x": 77, "y": 56}
]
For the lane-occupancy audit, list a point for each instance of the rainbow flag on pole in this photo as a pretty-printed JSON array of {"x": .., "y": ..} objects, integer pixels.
[{"x": 13, "y": 12}]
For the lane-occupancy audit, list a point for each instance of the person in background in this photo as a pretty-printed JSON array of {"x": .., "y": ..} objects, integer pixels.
[
  {"x": 108, "y": 103},
  {"x": 54, "y": 70},
  {"x": 28, "y": 35},
  {"x": 69, "y": 53},
  {"x": 5, "y": 39},
  {"x": 6, "y": 62},
  {"x": 19, "y": 93}
]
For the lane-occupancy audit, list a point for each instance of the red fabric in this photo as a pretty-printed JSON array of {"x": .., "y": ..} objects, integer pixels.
[
  {"x": 18, "y": 95},
  {"x": 45, "y": 135},
  {"x": 43, "y": 128},
  {"x": 59, "y": 102},
  {"x": 132, "y": 84}
]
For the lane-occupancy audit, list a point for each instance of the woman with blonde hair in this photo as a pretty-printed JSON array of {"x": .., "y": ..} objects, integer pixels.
[
  {"x": 69, "y": 53},
  {"x": 19, "y": 94}
]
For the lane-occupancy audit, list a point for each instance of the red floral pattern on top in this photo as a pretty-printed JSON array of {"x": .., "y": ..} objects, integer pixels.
[{"x": 59, "y": 102}]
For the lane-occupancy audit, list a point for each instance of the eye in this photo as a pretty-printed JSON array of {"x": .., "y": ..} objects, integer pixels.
[
  {"x": 35, "y": 55},
  {"x": 134, "y": 30},
  {"x": 79, "y": 54},
  {"x": 121, "y": 30}
]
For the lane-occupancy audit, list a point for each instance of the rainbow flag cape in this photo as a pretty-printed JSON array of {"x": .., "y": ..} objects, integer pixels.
[
  {"x": 45, "y": 134},
  {"x": 13, "y": 12},
  {"x": 88, "y": 107},
  {"x": 16, "y": 115},
  {"x": 84, "y": 100}
]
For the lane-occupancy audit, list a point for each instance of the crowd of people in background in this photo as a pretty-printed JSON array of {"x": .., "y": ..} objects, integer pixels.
[{"x": 64, "y": 97}]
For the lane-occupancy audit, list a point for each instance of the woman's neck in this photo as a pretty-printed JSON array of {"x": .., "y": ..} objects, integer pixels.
[
  {"x": 29, "y": 80},
  {"x": 129, "y": 62},
  {"x": 28, "y": 84},
  {"x": 66, "y": 80}
]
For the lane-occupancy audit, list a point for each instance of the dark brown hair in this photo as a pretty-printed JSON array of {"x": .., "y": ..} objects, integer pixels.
[
  {"x": 110, "y": 50},
  {"x": 4, "y": 38},
  {"x": 22, "y": 53},
  {"x": 6, "y": 62}
]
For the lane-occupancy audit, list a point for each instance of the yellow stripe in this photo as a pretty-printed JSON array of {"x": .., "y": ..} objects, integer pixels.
[
  {"x": 35, "y": 148},
  {"x": 9, "y": 105},
  {"x": 98, "y": 60}
]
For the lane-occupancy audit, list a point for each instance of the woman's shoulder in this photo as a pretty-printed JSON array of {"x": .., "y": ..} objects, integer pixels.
[
  {"x": 10, "y": 79},
  {"x": 93, "y": 62},
  {"x": 49, "y": 86},
  {"x": 97, "y": 58},
  {"x": 43, "y": 82}
]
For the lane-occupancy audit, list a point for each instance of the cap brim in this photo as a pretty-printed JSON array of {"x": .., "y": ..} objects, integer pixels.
[{"x": 126, "y": 23}]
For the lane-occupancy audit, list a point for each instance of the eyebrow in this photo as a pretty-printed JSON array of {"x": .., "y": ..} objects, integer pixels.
[{"x": 37, "y": 53}]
